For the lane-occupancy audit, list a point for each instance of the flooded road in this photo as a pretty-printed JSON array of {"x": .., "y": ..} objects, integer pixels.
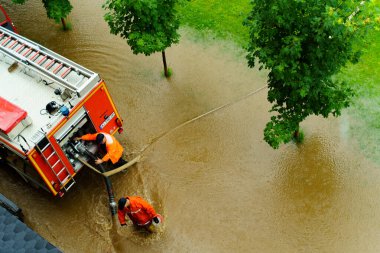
[{"x": 219, "y": 186}]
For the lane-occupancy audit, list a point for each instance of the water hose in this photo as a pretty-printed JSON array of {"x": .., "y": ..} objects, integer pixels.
[
  {"x": 114, "y": 171},
  {"x": 102, "y": 171},
  {"x": 111, "y": 196},
  {"x": 154, "y": 140}
]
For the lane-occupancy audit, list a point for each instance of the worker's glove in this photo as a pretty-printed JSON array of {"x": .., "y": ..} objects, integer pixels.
[{"x": 156, "y": 220}]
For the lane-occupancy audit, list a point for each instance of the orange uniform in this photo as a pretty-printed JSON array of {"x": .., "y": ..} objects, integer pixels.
[
  {"x": 114, "y": 149},
  {"x": 140, "y": 212}
]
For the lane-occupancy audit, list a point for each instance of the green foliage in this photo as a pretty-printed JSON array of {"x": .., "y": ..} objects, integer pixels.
[
  {"x": 300, "y": 137},
  {"x": 68, "y": 26},
  {"x": 148, "y": 25},
  {"x": 57, "y": 9},
  {"x": 170, "y": 73},
  {"x": 304, "y": 44},
  {"x": 18, "y": 1}
]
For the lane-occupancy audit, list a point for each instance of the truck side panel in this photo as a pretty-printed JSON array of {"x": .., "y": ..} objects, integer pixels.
[
  {"x": 102, "y": 111},
  {"x": 41, "y": 167},
  {"x": 53, "y": 166}
]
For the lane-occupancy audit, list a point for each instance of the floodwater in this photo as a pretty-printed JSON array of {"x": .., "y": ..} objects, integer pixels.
[{"x": 219, "y": 186}]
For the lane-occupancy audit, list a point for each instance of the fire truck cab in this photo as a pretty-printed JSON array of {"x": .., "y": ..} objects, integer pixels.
[{"x": 45, "y": 101}]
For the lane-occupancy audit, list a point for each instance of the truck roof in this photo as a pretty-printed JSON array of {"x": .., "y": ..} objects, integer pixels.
[{"x": 40, "y": 82}]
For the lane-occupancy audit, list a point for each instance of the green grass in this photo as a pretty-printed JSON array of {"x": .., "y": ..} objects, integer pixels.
[
  {"x": 364, "y": 77},
  {"x": 170, "y": 73},
  {"x": 69, "y": 26},
  {"x": 224, "y": 18},
  {"x": 300, "y": 138}
]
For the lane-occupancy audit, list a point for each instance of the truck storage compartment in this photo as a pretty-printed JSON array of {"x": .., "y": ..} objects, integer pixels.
[{"x": 13, "y": 119}]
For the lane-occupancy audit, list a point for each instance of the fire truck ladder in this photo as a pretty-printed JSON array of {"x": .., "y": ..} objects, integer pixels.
[
  {"x": 57, "y": 166},
  {"x": 69, "y": 74}
]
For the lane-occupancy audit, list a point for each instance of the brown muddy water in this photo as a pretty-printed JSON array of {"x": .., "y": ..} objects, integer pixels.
[{"x": 219, "y": 186}]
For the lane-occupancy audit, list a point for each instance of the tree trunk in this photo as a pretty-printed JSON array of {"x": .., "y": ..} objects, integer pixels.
[
  {"x": 296, "y": 134},
  {"x": 63, "y": 24},
  {"x": 165, "y": 66}
]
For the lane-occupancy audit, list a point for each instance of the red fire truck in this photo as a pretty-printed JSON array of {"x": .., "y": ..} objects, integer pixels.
[{"x": 45, "y": 101}]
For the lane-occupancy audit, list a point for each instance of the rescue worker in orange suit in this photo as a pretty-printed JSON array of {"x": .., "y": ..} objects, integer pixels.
[
  {"x": 109, "y": 145},
  {"x": 139, "y": 211}
]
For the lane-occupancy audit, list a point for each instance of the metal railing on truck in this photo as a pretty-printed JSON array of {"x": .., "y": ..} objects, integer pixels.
[{"x": 49, "y": 64}]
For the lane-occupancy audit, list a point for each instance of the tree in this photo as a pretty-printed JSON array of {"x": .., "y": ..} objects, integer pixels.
[
  {"x": 55, "y": 9},
  {"x": 304, "y": 44},
  {"x": 58, "y": 10},
  {"x": 149, "y": 26}
]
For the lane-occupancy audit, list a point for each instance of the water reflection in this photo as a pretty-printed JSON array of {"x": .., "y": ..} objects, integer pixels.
[
  {"x": 309, "y": 177},
  {"x": 307, "y": 187}
]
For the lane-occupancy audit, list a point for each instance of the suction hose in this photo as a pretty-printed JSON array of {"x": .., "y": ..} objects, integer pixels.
[{"x": 111, "y": 196}]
